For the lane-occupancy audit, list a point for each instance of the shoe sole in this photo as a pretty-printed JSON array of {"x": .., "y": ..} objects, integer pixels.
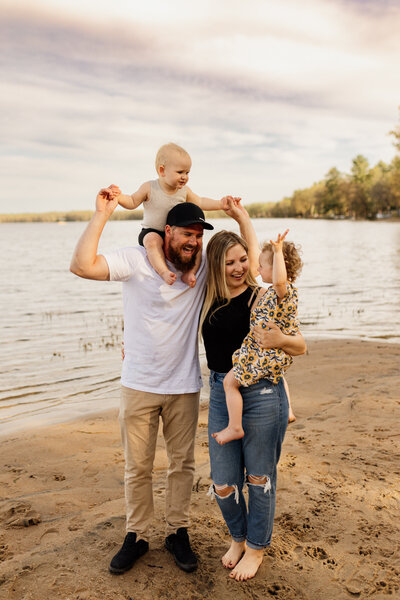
[{"x": 185, "y": 567}]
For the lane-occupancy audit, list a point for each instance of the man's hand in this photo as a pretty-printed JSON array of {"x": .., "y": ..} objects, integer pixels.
[{"x": 107, "y": 200}]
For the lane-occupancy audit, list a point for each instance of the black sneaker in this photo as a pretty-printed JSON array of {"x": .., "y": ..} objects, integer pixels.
[
  {"x": 179, "y": 546},
  {"x": 126, "y": 557}
]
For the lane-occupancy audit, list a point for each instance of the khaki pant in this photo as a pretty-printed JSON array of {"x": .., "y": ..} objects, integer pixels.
[{"x": 139, "y": 419}]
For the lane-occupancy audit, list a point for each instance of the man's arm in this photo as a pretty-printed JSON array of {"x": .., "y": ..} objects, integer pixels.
[
  {"x": 247, "y": 231},
  {"x": 85, "y": 261},
  {"x": 272, "y": 337}
]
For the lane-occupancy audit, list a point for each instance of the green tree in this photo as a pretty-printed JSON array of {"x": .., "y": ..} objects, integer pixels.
[
  {"x": 332, "y": 198},
  {"x": 361, "y": 204}
]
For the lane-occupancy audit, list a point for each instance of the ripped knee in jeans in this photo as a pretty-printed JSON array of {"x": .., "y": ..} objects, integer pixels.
[
  {"x": 223, "y": 491},
  {"x": 259, "y": 481}
]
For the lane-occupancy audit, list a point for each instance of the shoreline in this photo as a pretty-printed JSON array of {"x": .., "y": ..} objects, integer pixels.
[
  {"x": 62, "y": 512},
  {"x": 53, "y": 417}
]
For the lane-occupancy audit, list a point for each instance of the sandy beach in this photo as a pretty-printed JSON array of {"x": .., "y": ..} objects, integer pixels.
[{"x": 336, "y": 524}]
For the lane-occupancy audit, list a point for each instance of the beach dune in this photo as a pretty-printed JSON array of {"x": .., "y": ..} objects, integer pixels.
[{"x": 336, "y": 526}]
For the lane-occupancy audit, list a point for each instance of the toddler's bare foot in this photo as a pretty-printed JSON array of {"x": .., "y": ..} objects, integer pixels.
[
  {"x": 292, "y": 418},
  {"x": 168, "y": 276},
  {"x": 234, "y": 554},
  {"x": 189, "y": 278},
  {"x": 248, "y": 566},
  {"x": 228, "y": 434}
]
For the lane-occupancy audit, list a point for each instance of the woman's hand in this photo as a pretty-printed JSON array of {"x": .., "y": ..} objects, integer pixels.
[
  {"x": 270, "y": 337},
  {"x": 234, "y": 209}
]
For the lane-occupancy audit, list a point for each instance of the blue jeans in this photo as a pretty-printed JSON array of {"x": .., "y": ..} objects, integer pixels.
[{"x": 265, "y": 417}]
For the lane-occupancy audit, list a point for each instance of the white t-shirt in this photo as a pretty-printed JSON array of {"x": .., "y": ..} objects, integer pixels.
[{"x": 160, "y": 325}]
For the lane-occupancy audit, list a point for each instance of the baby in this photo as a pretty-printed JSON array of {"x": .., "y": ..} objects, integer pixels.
[{"x": 173, "y": 165}]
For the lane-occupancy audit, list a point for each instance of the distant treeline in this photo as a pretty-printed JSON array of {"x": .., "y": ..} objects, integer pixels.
[
  {"x": 364, "y": 193},
  {"x": 77, "y": 215}
]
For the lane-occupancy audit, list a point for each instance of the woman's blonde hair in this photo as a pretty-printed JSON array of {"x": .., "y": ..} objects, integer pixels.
[
  {"x": 217, "y": 288},
  {"x": 291, "y": 255}
]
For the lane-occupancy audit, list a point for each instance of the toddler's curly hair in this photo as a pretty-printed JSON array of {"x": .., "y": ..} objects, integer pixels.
[{"x": 291, "y": 255}]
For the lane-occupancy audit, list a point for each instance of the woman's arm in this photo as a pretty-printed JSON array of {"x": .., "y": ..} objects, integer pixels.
[
  {"x": 272, "y": 337},
  {"x": 247, "y": 231}
]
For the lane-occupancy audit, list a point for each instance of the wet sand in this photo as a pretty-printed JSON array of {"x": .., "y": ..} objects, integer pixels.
[{"x": 336, "y": 525}]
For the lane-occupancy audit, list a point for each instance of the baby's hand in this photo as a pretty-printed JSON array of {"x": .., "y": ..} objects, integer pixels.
[
  {"x": 114, "y": 191},
  {"x": 278, "y": 244},
  {"x": 225, "y": 202},
  {"x": 228, "y": 201}
]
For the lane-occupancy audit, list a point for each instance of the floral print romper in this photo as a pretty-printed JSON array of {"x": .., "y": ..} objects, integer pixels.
[{"x": 251, "y": 362}]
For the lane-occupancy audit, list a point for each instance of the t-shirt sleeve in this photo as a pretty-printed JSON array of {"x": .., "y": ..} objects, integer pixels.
[{"x": 122, "y": 263}]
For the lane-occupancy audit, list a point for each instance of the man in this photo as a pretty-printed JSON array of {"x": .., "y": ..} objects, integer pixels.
[{"x": 160, "y": 374}]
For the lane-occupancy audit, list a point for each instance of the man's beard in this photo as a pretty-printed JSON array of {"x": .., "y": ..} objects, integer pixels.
[{"x": 183, "y": 266}]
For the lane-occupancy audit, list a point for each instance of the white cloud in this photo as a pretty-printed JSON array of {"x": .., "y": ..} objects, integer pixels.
[{"x": 266, "y": 96}]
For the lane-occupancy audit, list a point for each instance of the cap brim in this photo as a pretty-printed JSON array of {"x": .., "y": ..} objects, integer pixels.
[{"x": 203, "y": 223}]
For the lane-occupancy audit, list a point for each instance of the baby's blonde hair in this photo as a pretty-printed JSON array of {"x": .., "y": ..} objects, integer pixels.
[
  {"x": 291, "y": 255},
  {"x": 164, "y": 153}
]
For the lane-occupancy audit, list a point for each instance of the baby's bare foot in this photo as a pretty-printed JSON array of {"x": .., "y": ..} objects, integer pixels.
[
  {"x": 168, "y": 276},
  {"x": 248, "y": 566},
  {"x": 292, "y": 418},
  {"x": 189, "y": 278},
  {"x": 232, "y": 557},
  {"x": 228, "y": 434}
]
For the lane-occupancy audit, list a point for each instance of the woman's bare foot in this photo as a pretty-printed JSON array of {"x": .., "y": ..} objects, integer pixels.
[
  {"x": 248, "y": 566},
  {"x": 168, "y": 276},
  {"x": 228, "y": 434},
  {"x": 234, "y": 554},
  {"x": 189, "y": 278}
]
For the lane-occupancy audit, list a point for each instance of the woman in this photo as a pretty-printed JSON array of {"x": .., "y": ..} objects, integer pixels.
[{"x": 224, "y": 322}]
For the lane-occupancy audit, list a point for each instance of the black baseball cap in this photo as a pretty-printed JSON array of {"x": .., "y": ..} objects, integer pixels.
[{"x": 187, "y": 213}]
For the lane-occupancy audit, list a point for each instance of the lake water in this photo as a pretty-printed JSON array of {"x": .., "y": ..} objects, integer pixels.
[{"x": 61, "y": 335}]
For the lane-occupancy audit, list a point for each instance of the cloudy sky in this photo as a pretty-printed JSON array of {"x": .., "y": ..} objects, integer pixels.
[{"x": 266, "y": 96}]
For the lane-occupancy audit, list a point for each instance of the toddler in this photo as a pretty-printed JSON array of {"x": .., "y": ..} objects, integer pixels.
[
  {"x": 173, "y": 165},
  {"x": 279, "y": 264}
]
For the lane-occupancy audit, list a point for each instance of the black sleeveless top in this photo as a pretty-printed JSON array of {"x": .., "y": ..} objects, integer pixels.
[{"x": 226, "y": 330}]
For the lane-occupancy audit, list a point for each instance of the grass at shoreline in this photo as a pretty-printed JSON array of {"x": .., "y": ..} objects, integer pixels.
[{"x": 123, "y": 215}]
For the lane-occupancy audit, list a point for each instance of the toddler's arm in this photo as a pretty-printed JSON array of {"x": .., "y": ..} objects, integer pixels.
[
  {"x": 279, "y": 274},
  {"x": 209, "y": 203},
  {"x": 135, "y": 199}
]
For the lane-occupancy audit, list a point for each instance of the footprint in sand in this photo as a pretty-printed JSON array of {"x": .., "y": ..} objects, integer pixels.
[
  {"x": 20, "y": 515},
  {"x": 316, "y": 552},
  {"x": 48, "y": 532},
  {"x": 280, "y": 591}
]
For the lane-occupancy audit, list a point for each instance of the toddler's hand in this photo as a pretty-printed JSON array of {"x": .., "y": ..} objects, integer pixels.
[{"x": 278, "y": 244}]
